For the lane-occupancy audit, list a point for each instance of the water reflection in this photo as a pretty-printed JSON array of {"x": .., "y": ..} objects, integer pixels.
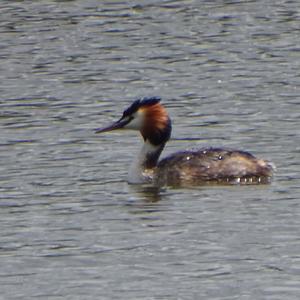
[
  {"x": 150, "y": 193},
  {"x": 228, "y": 73}
]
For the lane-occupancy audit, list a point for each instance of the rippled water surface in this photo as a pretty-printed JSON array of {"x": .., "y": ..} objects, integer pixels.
[{"x": 71, "y": 226}]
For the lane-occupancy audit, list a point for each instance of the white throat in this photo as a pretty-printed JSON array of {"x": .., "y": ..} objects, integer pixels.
[{"x": 138, "y": 171}]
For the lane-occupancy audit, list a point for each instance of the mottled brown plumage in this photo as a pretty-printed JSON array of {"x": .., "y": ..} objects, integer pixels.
[{"x": 212, "y": 165}]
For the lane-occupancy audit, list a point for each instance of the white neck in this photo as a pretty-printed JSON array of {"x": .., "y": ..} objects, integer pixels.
[{"x": 141, "y": 170}]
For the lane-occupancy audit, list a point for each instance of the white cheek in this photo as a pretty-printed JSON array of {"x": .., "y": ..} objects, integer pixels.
[{"x": 137, "y": 122}]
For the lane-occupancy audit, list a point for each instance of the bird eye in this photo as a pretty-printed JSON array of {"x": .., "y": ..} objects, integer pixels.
[{"x": 126, "y": 119}]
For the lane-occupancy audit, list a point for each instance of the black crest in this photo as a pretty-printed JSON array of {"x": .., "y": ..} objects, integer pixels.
[{"x": 147, "y": 101}]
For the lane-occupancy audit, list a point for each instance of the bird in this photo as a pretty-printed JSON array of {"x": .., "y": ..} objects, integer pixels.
[{"x": 187, "y": 167}]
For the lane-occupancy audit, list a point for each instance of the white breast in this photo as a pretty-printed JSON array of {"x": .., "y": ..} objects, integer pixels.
[{"x": 137, "y": 172}]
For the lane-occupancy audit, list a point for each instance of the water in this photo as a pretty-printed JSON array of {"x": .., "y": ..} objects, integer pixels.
[{"x": 71, "y": 226}]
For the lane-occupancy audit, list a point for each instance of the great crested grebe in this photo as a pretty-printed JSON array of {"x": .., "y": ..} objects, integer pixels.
[{"x": 211, "y": 165}]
